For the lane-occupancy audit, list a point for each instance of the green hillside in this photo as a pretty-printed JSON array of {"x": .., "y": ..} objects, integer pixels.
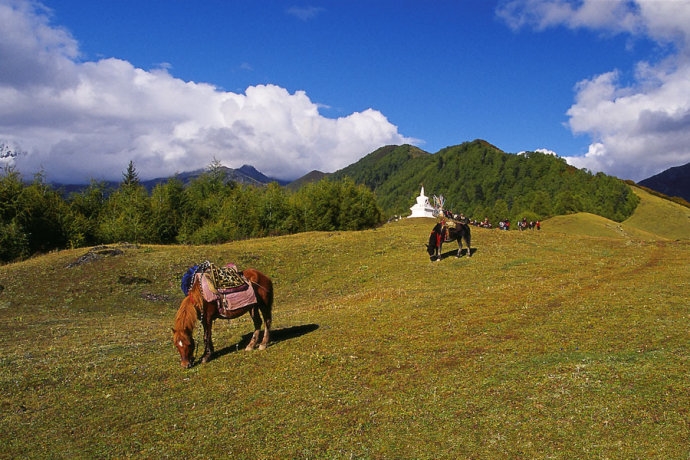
[
  {"x": 660, "y": 216},
  {"x": 544, "y": 344},
  {"x": 480, "y": 180},
  {"x": 655, "y": 218},
  {"x": 591, "y": 225}
]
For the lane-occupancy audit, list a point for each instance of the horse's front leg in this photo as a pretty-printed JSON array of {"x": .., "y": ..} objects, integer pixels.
[
  {"x": 208, "y": 339},
  {"x": 459, "y": 254},
  {"x": 439, "y": 252}
]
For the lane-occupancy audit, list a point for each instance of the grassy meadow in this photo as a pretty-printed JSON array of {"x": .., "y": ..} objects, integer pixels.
[{"x": 569, "y": 342}]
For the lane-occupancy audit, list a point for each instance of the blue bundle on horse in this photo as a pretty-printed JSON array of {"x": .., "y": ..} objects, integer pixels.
[
  {"x": 442, "y": 233},
  {"x": 188, "y": 279}
]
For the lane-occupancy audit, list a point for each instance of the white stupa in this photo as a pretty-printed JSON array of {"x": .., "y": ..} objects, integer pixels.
[{"x": 422, "y": 208}]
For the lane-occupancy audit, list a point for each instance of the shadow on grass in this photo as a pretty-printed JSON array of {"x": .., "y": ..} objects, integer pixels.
[
  {"x": 454, "y": 253},
  {"x": 277, "y": 335}
]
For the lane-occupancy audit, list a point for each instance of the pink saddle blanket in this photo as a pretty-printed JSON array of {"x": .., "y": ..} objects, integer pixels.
[{"x": 231, "y": 300}]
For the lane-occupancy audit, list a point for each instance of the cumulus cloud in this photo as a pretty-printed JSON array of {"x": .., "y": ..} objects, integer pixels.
[
  {"x": 79, "y": 120},
  {"x": 638, "y": 128},
  {"x": 544, "y": 151}
]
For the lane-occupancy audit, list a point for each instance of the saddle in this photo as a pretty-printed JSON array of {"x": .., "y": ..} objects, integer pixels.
[
  {"x": 225, "y": 280},
  {"x": 226, "y": 286}
]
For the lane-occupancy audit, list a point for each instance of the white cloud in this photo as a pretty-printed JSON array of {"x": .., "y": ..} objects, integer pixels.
[
  {"x": 616, "y": 15},
  {"x": 31, "y": 51},
  {"x": 82, "y": 120},
  {"x": 640, "y": 128}
]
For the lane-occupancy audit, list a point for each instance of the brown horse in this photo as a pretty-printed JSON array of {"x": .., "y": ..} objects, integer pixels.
[{"x": 195, "y": 307}]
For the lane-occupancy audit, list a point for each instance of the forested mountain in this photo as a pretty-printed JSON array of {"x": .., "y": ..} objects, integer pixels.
[
  {"x": 384, "y": 164},
  {"x": 480, "y": 180}
]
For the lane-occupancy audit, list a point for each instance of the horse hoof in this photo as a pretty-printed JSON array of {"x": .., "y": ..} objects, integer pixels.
[{"x": 262, "y": 347}]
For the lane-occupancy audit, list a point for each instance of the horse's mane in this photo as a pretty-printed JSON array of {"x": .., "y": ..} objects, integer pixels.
[{"x": 186, "y": 316}]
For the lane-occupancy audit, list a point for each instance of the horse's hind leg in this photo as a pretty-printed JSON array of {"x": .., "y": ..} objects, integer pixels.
[
  {"x": 256, "y": 319},
  {"x": 266, "y": 313}
]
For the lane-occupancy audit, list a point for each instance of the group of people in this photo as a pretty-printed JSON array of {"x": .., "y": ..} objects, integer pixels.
[
  {"x": 532, "y": 224},
  {"x": 483, "y": 224},
  {"x": 504, "y": 224}
]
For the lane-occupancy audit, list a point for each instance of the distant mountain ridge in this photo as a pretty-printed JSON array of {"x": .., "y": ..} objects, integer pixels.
[
  {"x": 313, "y": 176},
  {"x": 671, "y": 182},
  {"x": 246, "y": 174}
]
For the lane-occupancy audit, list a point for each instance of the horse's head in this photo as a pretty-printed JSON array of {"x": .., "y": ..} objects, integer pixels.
[
  {"x": 184, "y": 342},
  {"x": 183, "y": 330},
  {"x": 431, "y": 245}
]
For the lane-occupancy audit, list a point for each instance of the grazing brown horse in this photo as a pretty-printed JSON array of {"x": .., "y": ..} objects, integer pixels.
[{"x": 195, "y": 307}]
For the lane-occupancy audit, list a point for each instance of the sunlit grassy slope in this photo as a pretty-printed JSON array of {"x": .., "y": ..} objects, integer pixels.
[
  {"x": 569, "y": 342},
  {"x": 655, "y": 218},
  {"x": 661, "y": 217}
]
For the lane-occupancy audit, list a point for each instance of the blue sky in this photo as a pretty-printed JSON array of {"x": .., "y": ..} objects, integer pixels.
[{"x": 289, "y": 87}]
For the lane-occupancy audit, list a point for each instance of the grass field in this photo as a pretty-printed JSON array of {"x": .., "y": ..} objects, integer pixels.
[{"x": 569, "y": 342}]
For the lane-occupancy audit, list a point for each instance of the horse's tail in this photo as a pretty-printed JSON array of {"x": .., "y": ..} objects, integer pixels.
[{"x": 468, "y": 239}]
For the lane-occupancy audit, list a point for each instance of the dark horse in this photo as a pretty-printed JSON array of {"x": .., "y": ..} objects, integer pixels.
[
  {"x": 441, "y": 234},
  {"x": 195, "y": 307}
]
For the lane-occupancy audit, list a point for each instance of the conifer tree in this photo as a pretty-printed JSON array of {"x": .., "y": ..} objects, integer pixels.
[
  {"x": 127, "y": 213},
  {"x": 130, "y": 177}
]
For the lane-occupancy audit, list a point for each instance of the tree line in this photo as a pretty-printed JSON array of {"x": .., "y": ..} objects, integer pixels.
[{"x": 37, "y": 218}]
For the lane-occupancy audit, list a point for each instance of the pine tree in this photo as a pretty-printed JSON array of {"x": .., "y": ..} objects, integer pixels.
[{"x": 130, "y": 177}]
